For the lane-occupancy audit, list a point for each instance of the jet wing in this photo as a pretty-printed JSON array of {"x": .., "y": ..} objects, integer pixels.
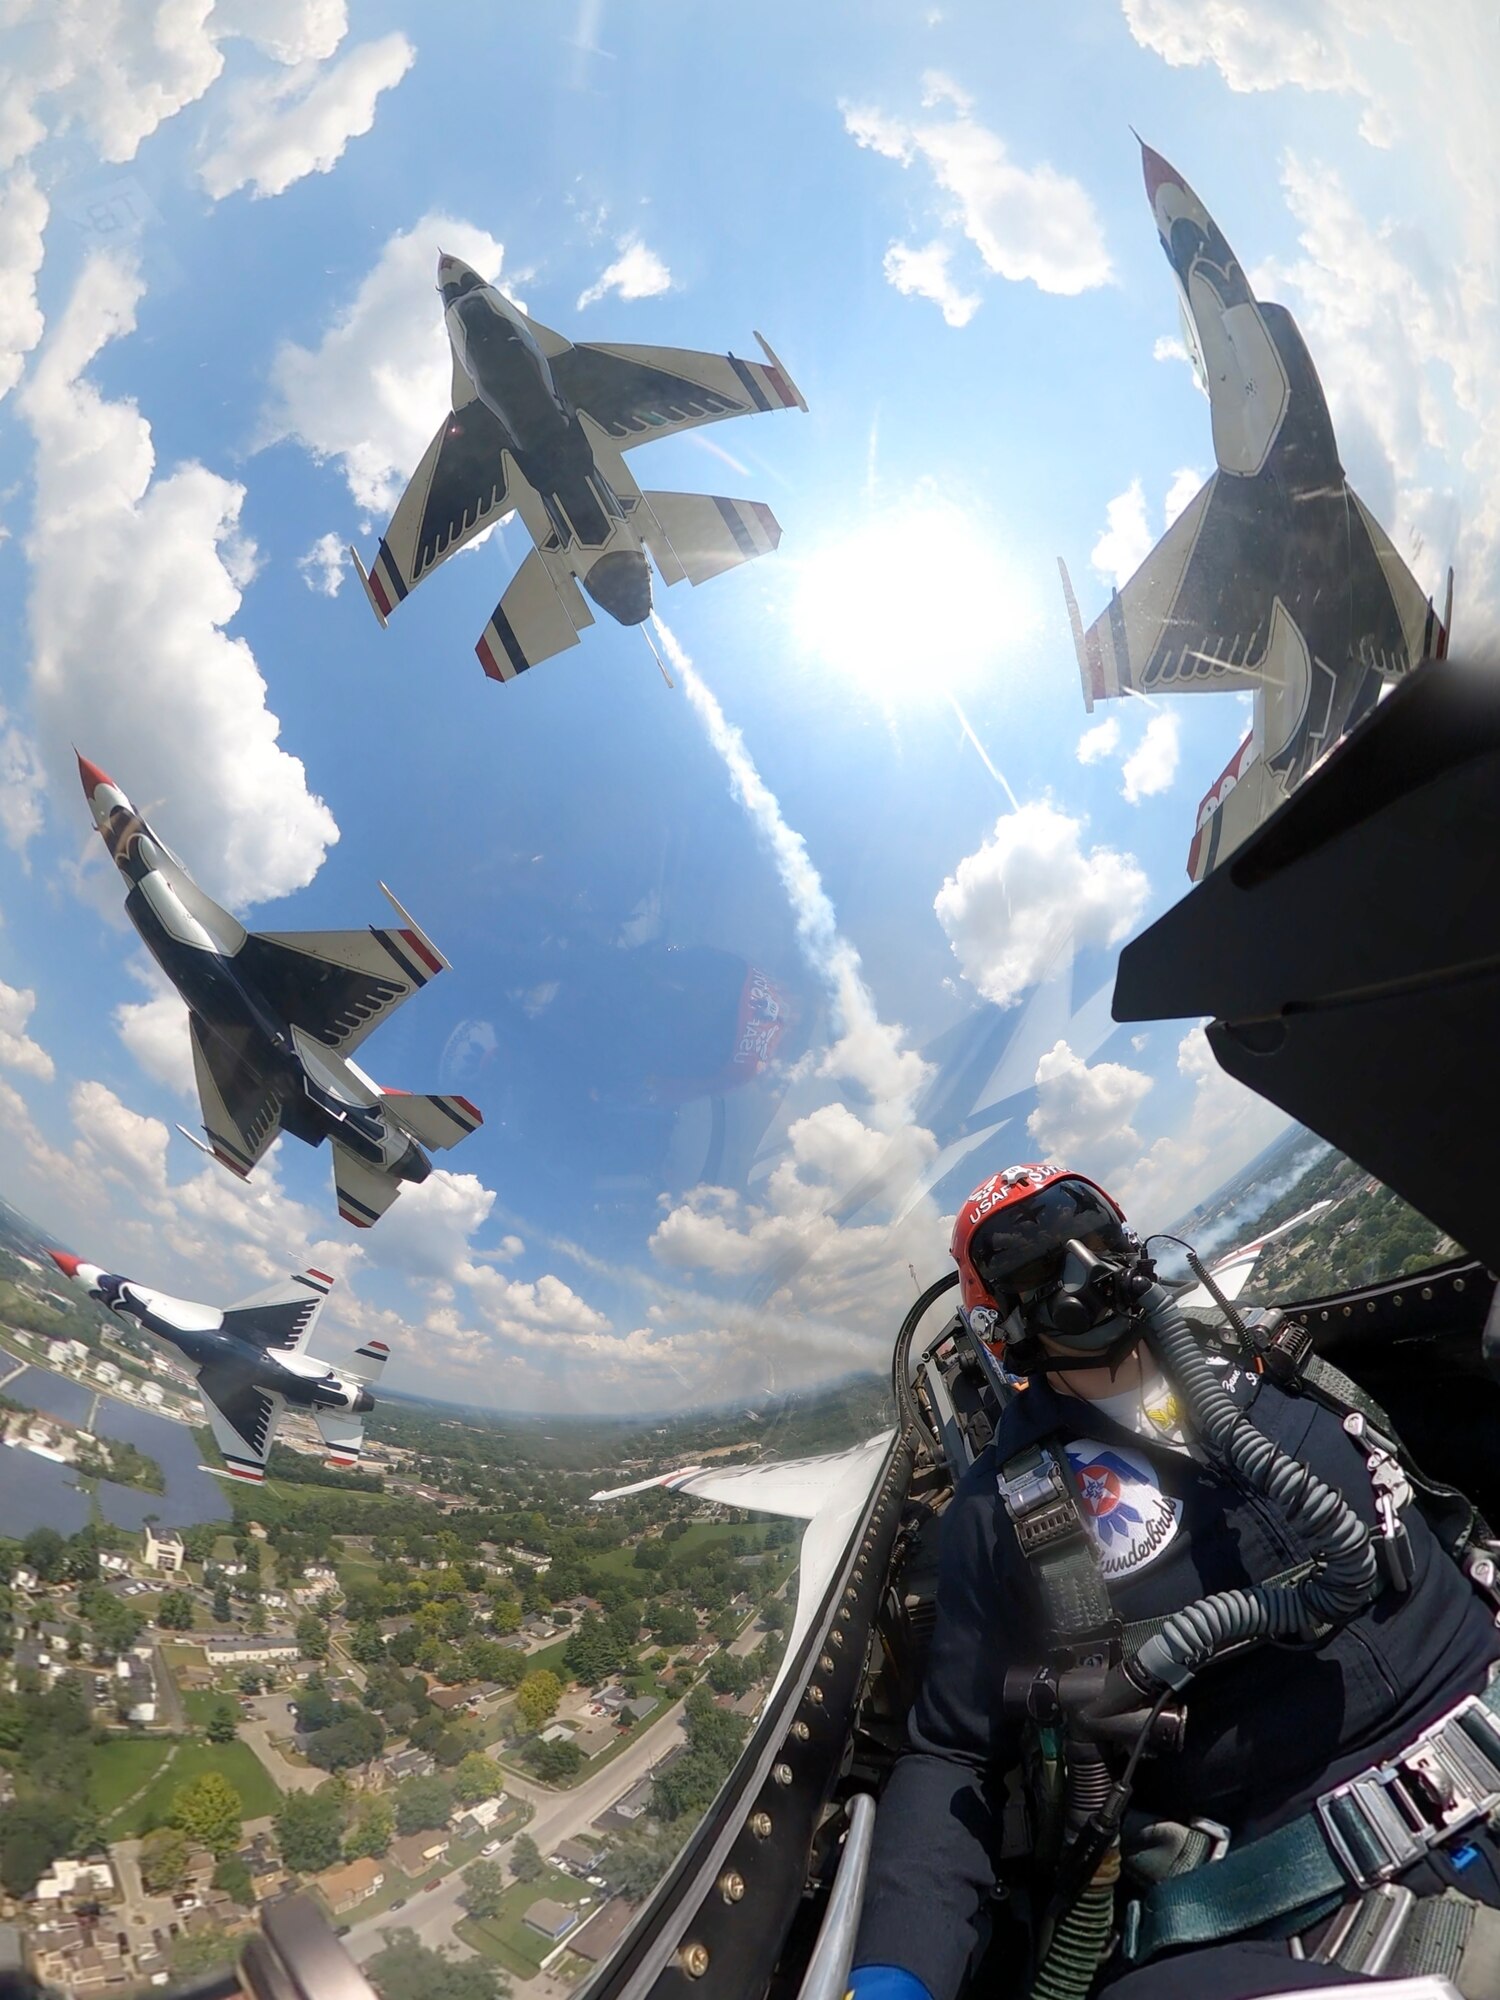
[
  {"x": 241, "y": 1109},
  {"x": 461, "y": 487},
  {"x": 637, "y": 394},
  {"x": 243, "y": 1419},
  {"x": 283, "y": 1316},
  {"x": 339, "y": 985}
]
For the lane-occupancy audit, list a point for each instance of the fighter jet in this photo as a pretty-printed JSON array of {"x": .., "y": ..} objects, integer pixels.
[
  {"x": 275, "y": 1018},
  {"x": 251, "y": 1360},
  {"x": 1276, "y": 578},
  {"x": 540, "y": 427}
]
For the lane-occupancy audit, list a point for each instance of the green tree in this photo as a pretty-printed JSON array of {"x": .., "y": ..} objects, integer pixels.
[
  {"x": 197, "y": 1952},
  {"x": 221, "y": 1723},
  {"x": 366, "y": 1644},
  {"x": 310, "y": 1829},
  {"x": 537, "y": 1697},
  {"x": 250, "y": 1681},
  {"x": 554, "y": 1762},
  {"x": 637, "y": 1863},
  {"x": 423, "y": 1802},
  {"x": 175, "y": 1612},
  {"x": 526, "y": 1862},
  {"x": 46, "y": 1552},
  {"x": 672, "y": 1625},
  {"x": 209, "y": 1811},
  {"x": 233, "y": 1877},
  {"x": 222, "y": 1609},
  {"x": 484, "y": 1887},
  {"x": 407, "y": 1970},
  {"x": 477, "y": 1777},
  {"x": 370, "y": 1835},
  {"x": 356, "y": 1740},
  {"x": 164, "y": 1860},
  {"x": 312, "y": 1637},
  {"x": 255, "y": 1624}
]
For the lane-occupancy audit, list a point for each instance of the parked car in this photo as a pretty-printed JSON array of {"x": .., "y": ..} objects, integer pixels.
[
  {"x": 397, "y": 1903},
  {"x": 490, "y": 1849},
  {"x": 435, "y": 1883}
]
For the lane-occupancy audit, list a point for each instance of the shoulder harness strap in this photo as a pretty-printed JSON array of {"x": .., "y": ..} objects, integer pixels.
[{"x": 1036, "y": 1490}]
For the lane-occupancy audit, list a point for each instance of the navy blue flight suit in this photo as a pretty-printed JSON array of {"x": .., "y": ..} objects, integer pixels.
[{"x": 1267, "y": 1730}]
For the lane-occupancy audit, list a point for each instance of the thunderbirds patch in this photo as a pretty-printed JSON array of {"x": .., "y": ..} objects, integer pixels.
[{"x": 1129, "y": 1517}]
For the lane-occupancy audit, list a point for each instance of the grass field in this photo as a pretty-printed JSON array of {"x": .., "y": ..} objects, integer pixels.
[
  {"x": 120, "y": 1769},
  {"x": 507, "y": 1940},
  {"x": 292, "y": 1490},
  {"x": 700, "y": 1535},
  {"x": 357, "y": 1573}
]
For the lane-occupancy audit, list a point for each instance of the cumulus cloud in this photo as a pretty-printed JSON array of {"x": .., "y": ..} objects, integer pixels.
[
  {"x": 155, "y": 1030},
  {"x": 1167, "y": 347},
  {"x": 1027, "y": 223},
  {"x": 637, "y": 273},
  {"x": 926, "y": 274},
  {"x": 1099, "y": 740},
  {"x": 376, "y": 387},
  {"x": 17, "y": 1050},
  {"x": 1186, "y": 481},
  {"x": 22, "y": 782},
  {"x": 1127, "y": 538},
  {"x": 1152, "y": 764},
  {"x": 277, "y": 129},
  {"x": 1083, "y": 1111},
  {"x": 1031, "y": 895},
  {"x": 157, "y": 563},
  {"x": 23, "y": 219},
  {"x": 1225, "y": 1127},
  {"x": 323, "y": 567}
]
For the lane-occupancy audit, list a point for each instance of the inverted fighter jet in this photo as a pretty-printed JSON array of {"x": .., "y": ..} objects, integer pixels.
[
  {"x": 275, "y": 1018},
  {"x": 540, "y": 427},
  {"x": 1275, "y": 578},
  {"x": 251, "y": 1361}
]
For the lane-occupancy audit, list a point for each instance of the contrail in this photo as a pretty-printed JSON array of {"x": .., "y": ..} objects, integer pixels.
[
  {"x": 968, "y": 729},
  {"x": 871, "y": 1051}
]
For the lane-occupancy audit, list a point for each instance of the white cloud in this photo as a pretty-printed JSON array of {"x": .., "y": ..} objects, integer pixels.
[
  {"x": 17, "y": 1049},
  {"x": 155, "y": 1031},
  {"x": 1167, "y": 347},
  {"x": 281, "y": 128},
  {"x": 22, "y": 782},
  {"x": 1152, "y": 764},
  {"x": 637, "y": 273},
  {"x": 1099, "y": 740},
  {"x": 1083, "y": 1112},
  {"x": 323, "y": 567},
  {"x": 1225, "y": 1127},
  {"x": 376, "y": 387},
  {"x": 925, "y": 274},
  {"x": 1186, "y": 481},
  {"x": 23, "y": 218},
  {"x": 1030, "y": 896},
  {"x": 1127, "y": 539},
  {"x": 134, "y": 578},
  {"x": 1027, "y": 223}
]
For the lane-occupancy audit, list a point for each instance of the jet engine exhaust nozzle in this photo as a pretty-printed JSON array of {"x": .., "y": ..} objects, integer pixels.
[{"x": 620, "y": 583}]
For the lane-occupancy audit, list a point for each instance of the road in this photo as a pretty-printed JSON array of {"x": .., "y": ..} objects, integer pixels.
[
  {"x": 558, "y": 1815},
  {"x": 271, "y": 1716},
  {"x": 170, "y": 1710},
  {"x": 5, "y": 1381}
]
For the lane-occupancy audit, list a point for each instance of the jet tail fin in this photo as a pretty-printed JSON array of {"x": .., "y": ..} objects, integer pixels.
[
  {"x": 344, "y": 1435},
  {"x": 434, "y": 1122},
  {"x": 372, "y": 1358}
]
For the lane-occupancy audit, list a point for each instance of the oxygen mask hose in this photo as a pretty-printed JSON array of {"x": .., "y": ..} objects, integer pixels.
[{"x": 1345, "y": 1578}]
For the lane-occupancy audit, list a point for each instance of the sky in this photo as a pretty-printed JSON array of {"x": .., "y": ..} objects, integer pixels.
[{"x": 874, "y": 793}]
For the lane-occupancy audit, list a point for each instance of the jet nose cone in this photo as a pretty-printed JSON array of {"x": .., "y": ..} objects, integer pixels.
[
  {"x": 455, "y": 277},
  {"x": 92, "y": 776},
  {"x": 66, "y": 1264}
]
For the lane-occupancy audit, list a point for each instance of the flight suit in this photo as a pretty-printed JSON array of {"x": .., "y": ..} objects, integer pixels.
[{"x": 1268, "y": 1730}]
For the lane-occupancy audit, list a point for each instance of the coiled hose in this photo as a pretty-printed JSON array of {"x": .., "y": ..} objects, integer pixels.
[
  {"x": 1338, "y": 1589},
  {"x": 1080, "y": 1937}
]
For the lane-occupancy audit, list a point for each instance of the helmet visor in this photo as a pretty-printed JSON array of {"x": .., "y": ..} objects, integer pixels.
[{"x": 1021, "y": 1247}]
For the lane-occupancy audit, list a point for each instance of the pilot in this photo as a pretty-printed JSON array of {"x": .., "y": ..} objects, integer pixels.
[{"x": 1147, "y": 1477}]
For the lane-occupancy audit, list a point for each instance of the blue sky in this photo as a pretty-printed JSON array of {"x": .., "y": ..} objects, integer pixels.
[{"x": 936, "y": 214}]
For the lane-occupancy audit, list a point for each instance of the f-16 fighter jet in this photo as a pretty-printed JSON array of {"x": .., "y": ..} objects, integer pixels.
[
  {"x": 1276, "y": 577},
  {"x": 251, "y": 1360},
  {"x": 276, "y": 1017},
  {"x": 541, "y": 427}
]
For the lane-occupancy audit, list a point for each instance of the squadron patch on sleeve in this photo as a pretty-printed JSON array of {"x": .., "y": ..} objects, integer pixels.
[{"x": 1124, "y": 1509}]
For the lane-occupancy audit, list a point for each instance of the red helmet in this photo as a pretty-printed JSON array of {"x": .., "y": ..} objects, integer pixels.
[{"x": 1009, "y": 1235}]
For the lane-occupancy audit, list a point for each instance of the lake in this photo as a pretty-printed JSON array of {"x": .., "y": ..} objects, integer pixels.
[{"x": 35, "y": 1493}]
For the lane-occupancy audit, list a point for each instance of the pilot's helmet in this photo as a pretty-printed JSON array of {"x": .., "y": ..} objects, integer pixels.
[{"x": 1010, "y": 1240}]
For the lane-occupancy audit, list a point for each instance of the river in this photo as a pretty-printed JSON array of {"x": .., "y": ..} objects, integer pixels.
[{"x": 36, "y": 1493}]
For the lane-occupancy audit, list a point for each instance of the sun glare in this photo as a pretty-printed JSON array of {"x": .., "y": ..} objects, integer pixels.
[{"x": 915, "y": 600}]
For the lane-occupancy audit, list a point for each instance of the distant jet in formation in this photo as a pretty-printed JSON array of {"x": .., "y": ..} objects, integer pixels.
[
  {"x": 540, "y": 427},
  {"x": 251, "y": 1361},
  {"x": 1275, "y": 578},
  {"x": 275, "y": 1017}
]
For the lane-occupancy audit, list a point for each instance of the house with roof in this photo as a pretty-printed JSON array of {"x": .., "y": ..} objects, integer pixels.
[
  {"x": 242, "y": 1650},
  {"x": 356, "y": 1882},
  {"x": 76, "y": 1882},
  {"x": 575, "y": 1855},
  {"x": 553, "y": 1920},
  {"x": 415, "y": 1853},
  {"x": 596, "y": 1939},
  {"x": 135, "y": 1686},
  {"x": 163, "y": 1551},
  {"x": 399, "y": 1764}
]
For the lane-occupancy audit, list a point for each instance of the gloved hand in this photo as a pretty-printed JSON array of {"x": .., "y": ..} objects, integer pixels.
[{"x": 885, "y": 1982}]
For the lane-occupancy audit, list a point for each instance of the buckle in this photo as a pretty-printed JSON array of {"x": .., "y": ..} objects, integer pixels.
[
  {"x": 1379, "y": 1823},
  {"x": 1031, "y": 1488}
]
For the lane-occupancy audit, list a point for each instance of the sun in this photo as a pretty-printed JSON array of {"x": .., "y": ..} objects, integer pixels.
[{"x": 916, "y": 599}]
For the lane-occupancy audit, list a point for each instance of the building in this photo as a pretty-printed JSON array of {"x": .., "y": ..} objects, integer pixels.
[
  {"x": 635, "y": 1800},
  {"x": 576, "y": 1856},
  {"x": 356, "y": 1882},
  {"x": 450, "y": 1700},
  {"x": 246, "y": 1650},
  {"x": 408, "y": 1764},
  {"x": 483, "y": 1815},
  {"x": 81, "y": 1881},
  {"x": 164, "y": 1551},
  {"x": 107, "y": 1373},
  {"x": 263, "y": 1865},
  {"x": 151, "y": 1392},
  {"x": 595, "y": 1737},
  {"x": 596, "y": 1939},
  {"x": 113, "y": 1564},
  {"x": 135, "y": 1686},
  {"x": 415, "y": 1853},
  {"x": 553, "y": 1920}
]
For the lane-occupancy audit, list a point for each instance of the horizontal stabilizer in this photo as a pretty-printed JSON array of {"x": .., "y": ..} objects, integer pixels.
[
  {"x": 344, "y": 1435},
  {"x": 283, "y": 1316},
  {"x": 533, "y": 621},
  {"x": 434, "y": 1122},
  {"x": 707, "y": 534},
  {"x": 364, "y": 1193},
  {"x": 243, "y": 1419},
  {"x": 370, "y": 1360}
]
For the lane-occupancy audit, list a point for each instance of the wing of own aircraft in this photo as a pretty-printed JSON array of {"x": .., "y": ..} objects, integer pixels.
[
  {"x": 243, "y": 1420},
  {"x": 828, "y": 1493}
]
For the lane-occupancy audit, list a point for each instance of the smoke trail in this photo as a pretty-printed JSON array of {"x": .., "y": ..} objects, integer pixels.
[{"x": 869, "y": 1051}]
